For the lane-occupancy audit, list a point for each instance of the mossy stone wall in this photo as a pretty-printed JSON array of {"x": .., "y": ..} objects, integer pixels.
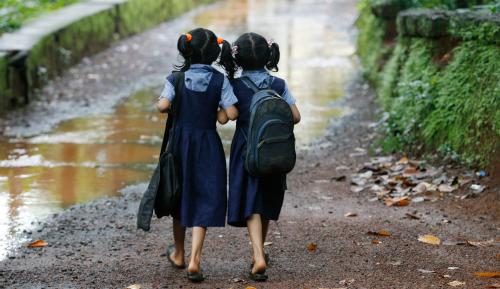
[
  {"x": 440, "y": 84},
  {"x": 3, "y": 80}
]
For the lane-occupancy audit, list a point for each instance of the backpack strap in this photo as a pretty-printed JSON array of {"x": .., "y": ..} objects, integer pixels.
[
  {"x": 250, "y": 84},
  {"x": 173, "y": 112}
]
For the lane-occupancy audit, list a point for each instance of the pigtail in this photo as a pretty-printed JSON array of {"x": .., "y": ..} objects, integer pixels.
[
  {"x": 226, "y": 59},
  {"x": 184, "y": 47},
  {"x": 274, "y": 57}
]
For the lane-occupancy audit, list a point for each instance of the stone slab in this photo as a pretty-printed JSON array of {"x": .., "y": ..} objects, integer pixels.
[{"x": 26, "y": 37}]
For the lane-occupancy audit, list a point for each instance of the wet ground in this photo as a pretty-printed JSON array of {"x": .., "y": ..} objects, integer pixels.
[{"x": 98, "y": 135}]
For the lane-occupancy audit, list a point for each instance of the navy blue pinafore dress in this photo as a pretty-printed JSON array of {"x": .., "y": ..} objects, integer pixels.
[
  {"x": 200, "y": 155},
  {"x": 251, "y": 195}
]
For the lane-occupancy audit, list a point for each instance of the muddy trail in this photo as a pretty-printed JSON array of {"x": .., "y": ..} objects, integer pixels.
[{"x": 321, "y": 239}]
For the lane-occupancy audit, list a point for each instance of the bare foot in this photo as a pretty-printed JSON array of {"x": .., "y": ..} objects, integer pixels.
[
  {"x": 194, "y": 266},
  {"x": 259, "y": 267},
  {"x": 178, "y": 258}
]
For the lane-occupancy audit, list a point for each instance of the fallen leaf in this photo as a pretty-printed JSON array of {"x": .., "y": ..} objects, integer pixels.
[
  {"x": 37, "y": 244},
  {"x": 453, "y": 268},
  {"x": 418, "y": 200},
  {"x": 237, "y": 280},
  {"x": 356, "y": 189},
  {"x": 376, "y": 242},
  {"x": 446, "y": 276},
  {"x": 496, "y": 285},
  {"x": 456, "y": 283},
  {"x": 481, "y": 243},
  {"x": 351, "y": 214},
  {"x": 410, "y": 171},
  {"x": 346, "y": 281},
  {"x": 424, "y": 271},
  {"x": 268, "y": 243},
  {"x": 429, "y": 239},
  {"x": 403, "y": 161},
  {"x": 312, "y": 247},
  {"x": 381, "y": 233},
  {"x": 397, "y": 202},
  {"x": 250, "y": 288},
  {"x": 445, "y": 188},
  {"x": 412, "y": 216},
  {"x": 488, "y": 274},
  {"x": 134, "y": 286},
  {"x": 339, "y": 178}
]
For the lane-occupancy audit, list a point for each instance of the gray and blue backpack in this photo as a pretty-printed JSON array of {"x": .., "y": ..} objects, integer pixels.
[{"x": 270, "y": 146}]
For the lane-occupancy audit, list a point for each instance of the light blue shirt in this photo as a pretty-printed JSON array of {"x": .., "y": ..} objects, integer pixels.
[
  {"x": 262, "y": 79},
  {"x": 197, "y": 78}
]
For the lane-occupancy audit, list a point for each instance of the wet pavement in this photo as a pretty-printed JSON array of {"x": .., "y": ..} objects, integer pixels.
[{"x": 96, "y": 131}]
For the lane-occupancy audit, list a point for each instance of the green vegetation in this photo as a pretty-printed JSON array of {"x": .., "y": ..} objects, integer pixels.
[
  {"x": 441, "y": 84},
  {"x": 13, "y": 13}
]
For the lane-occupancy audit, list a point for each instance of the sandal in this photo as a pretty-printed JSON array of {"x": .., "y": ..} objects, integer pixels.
[
  {"x": 259, "y": 277},
  {"x": 170, "y": 250},
  {"x": 195, "y": 277}
]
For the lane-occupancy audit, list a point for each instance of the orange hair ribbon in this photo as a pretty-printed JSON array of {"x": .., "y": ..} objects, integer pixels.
[
  {"x": 189, "y": 37},
  {"x": 220, "y": 40}
]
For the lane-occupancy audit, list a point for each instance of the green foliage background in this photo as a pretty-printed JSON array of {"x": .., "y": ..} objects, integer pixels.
[
  {"x": 438, "y": 96},
  {"x": 14, "y": 12}
]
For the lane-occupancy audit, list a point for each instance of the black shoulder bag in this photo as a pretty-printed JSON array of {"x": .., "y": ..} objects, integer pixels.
[{"x": 164, "y": 189}]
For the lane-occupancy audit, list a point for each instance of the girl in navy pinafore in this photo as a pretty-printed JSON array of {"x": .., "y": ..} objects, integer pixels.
[
  {"x": 253, "y": 201},
  {"x": 206, "y": 97}
]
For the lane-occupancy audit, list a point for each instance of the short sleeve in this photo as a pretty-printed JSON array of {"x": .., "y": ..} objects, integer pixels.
[
  {"x": 227, "y": 96},
  {"x": 287, "y": 96},
  {"x": 168, "y": 91}
]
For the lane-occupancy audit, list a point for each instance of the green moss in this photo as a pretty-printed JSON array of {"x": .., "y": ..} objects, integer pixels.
[
  {"x": 43, "y": 62},
  {"x": 390, "y": 74},
  {"x": 85, "y": 37},
  {"x": 482, "y": 26},
  {"x": 370, "y": 40},
  {"x": 466, "y": 117},
  {"x": 4, "y": 97}
]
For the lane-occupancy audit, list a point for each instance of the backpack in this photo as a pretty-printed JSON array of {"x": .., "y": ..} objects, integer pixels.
[{"x": 270, "y": 148}]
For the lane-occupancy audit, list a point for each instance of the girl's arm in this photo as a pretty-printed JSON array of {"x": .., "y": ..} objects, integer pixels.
[
  {"x": 295, "y": 113},
  {"x": 163, "y": 105}
]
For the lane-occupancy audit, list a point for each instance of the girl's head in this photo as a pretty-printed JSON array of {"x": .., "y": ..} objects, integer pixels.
[
  {"x": 202, "y": 46},
  {"x": 252, "y": 51}
]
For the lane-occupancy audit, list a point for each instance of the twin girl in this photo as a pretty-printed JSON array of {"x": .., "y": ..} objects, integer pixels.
[{"x": 208, "y": 97}]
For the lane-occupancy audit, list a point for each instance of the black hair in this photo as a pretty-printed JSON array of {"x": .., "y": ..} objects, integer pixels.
[
  {"x": 254, "y": 52},
  {"x": 203, "y": 48}
]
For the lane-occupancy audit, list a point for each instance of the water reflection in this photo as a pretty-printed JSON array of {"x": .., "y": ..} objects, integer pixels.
[{"x": 95, "y": 156}]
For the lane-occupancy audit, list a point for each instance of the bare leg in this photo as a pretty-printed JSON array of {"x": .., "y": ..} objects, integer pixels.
[
  {"x": 179, "y": 236},
  {"x": 254, "y": 225},
  {"x": 196, "y": 247},
  {"x": 265, "y": 228}
]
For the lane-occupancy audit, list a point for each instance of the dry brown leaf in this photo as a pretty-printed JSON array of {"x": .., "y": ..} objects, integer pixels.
[
  {"x": 376, "y": 242},
  {"x": 498, "y": 256},
  {"x": 312, "y": 247},
  {"x": 429, "y": 239},
  {"x": 412, "y": 216},
  {"x": 488, "y": 274},
  {"x": 456, "y": 283},
  {"x": 37, "y": 244},
  {"x": 397, "y": 202},
  {"x": 250, "y": 287},
  {"x": 496, "y": 285},
  {"x": 351, "y": 214},
  {"x": 403, "y": 161},
  {"x": 381, "y": 233},
  {"x": 134, "y": 286},
  {"x": 481, "y": 243}
]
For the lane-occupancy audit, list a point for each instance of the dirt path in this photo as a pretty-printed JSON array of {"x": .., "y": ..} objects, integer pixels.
[{"x": 96, "y": 245}]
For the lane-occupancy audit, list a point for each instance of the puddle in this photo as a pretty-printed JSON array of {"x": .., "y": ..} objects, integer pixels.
[{"x": 86, "y": 158}]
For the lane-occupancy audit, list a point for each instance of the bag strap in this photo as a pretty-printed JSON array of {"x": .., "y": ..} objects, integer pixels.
[
  {"x": 250, "y": 84},
  {"x": 167, "y": 143}
]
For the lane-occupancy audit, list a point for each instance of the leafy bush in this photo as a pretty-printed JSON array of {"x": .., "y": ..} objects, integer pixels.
[{"x": 13, "y": 13}]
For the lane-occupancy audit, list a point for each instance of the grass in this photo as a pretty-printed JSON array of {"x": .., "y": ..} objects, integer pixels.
[{"x": 13, "y": 13}]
